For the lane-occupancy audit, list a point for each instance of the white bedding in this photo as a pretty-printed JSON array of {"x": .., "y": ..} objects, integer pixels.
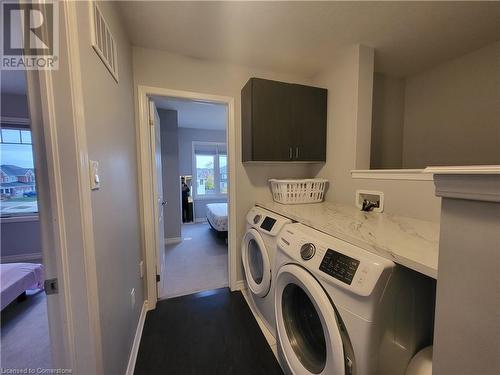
[
  {"x": 17, "y": 278},
  {"x": 217, "y": 216}
]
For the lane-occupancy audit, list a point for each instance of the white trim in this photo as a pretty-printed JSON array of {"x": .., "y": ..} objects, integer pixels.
[
  {"x": 476, "y": 187},
  {"x": 470, "y": 169},
  {"x": 200, "y": 220},
  {"x": 392, "y": 174},
  {"x": 52, "y": 221},
  {"x": 146, "y": 172},
  {"x": 18, "y": 219},
  {"x": 15, "y": 120},
  {"x": 22, "y": 257},
  {"x": 172, "y": 240},
  {"x": 137, "y": 340},
  {"x": 194, "y": 291},
  {"x": 83, "y": 180}
]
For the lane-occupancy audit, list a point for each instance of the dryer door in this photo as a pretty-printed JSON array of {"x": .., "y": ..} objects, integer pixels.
[
  {"x": 256, "y": 263},
  {"x": 307, "y": 327}
]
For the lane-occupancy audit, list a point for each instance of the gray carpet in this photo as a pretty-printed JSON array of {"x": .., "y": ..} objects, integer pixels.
[
  {"x": 25, "y": 333},
  {"x": 197, "y": 263}
]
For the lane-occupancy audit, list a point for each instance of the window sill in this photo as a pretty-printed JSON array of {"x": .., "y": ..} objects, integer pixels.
[
  {"x": 19, "y": 219},
  {"x": 393, "y": 174}
]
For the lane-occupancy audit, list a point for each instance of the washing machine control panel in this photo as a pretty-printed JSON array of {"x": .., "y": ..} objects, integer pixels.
[
  {"x": 268, "y": 223},
  {"x": 340, "y": 266},
  {"x": 307, "y": 251}
]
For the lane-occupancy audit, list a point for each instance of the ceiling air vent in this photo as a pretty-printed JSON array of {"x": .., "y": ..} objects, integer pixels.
[{"x": 103, "y": 42}]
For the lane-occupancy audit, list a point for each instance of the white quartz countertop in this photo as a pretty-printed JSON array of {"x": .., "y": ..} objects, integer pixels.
[{"x": 410, "y": 242}]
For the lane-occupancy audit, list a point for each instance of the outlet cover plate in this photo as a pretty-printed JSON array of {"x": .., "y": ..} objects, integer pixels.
[{"x": 372, "y": 196}]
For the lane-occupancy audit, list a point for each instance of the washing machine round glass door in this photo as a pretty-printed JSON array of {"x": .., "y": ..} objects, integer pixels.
[
  {"x": 256, "y": 263},
  {"x": 306, "y": 322}
]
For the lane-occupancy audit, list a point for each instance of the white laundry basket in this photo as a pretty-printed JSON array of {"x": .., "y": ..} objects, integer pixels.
[{"x": 311, "y": 190}]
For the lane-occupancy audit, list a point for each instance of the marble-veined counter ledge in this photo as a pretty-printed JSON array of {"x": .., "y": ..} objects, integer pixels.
[{"x": 410, "y": 242}]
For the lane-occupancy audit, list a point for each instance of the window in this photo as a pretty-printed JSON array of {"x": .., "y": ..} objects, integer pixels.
[
  {"x": 210, "y": 163},
  {"x": 18, "y": 194}
]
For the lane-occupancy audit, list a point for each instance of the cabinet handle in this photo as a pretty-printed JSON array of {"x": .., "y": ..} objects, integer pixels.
[
  {"x": 290, "y": 154},
  {"x": 296, "y": 152}
]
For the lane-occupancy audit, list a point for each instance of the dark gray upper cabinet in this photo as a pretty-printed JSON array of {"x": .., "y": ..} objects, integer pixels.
[{"x": 283, "y": 121}]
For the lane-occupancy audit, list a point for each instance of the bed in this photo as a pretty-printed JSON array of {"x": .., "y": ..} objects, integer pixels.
[
  {"x": 16, "y": 278},
  {"x": 217, "y": 217}
]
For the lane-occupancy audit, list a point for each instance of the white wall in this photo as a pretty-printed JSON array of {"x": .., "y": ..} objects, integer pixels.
[
  {"x": 186, "y": 138},
  {"x": 20, "y": 241},
  {"x": 468, "y": 291},
  {"x": 167, "y": 70},
  {"x": 452, "y": 112},
  {"x": 387, "y": 122},
  {"x": 110, "y": 129},
  {"x": 14, "y": 105},
  {"x": 347, "y": 81}
]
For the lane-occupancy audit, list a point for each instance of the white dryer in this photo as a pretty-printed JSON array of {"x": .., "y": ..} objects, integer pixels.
[
  {"x": 258, "y": 253},
  {"x": 342, "y": 310}
]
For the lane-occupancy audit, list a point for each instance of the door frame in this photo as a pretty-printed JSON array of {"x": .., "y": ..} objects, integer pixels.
[
  {"x": 147, "y": 172},
  {"x": 66, "y": 210}
]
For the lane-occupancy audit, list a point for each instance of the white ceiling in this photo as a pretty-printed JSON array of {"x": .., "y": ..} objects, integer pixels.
[
  {"x": 195, "y": 114},
  {"x": 303, "y": 37},
  {"x": 13, "y": 82}
]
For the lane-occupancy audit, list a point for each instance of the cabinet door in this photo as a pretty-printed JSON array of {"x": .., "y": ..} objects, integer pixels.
[
  {"x": 309, "y": 123},
  {"x": 271, "y": 120}
]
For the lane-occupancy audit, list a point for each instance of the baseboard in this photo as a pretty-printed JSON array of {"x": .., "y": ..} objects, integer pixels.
[
  {"x": 200, "y": 220},
  {"x": 137, "y": 340},
  {"x": 239, "y": 285},
  {"x": 187, "y": 293},
  {"x": 171, "y": 240},
  {"x": 21, "y": 258}
]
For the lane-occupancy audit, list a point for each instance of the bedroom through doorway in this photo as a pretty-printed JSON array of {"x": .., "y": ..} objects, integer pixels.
[
  {"x": 194, "y": 184},
  {"x": 25, "y": 335}
]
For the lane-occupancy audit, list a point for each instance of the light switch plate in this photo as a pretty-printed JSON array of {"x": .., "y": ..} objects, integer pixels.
[
  {"x": 372, "y": 196},
  {"x": 95, "y": 182}
]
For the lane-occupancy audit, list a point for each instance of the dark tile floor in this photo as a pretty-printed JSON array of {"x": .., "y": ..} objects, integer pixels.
[{"x": 211, "y": 332}]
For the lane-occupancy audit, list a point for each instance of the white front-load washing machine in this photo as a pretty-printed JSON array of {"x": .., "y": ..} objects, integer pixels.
[
  {"x": 258, "y": 253},
  {"x": 343, "y": 310}
]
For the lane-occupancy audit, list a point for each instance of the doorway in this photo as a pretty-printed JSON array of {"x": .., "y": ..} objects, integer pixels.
[
  {"x": 25, "y": 337},
  {"x": 192, "y": 180},
  {"x": 204, "y": 165}
]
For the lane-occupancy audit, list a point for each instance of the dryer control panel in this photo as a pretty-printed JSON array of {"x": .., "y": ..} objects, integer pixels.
[
  {"x": 334, "y": 261},
  {"x": 266, "y": 221},
  {"x": 340, "y": 266}
]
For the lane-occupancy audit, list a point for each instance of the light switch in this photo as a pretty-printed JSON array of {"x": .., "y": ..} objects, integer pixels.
[{"x": 95, "y": 182}]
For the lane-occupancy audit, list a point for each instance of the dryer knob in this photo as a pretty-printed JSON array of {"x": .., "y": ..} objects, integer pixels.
[
  {"x": 307, "y": 251},
  {"x": 256, "y": 219}
]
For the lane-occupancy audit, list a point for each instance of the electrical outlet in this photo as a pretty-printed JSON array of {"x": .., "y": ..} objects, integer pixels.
[
  {"x": 371, "y": 196},
  {"x": 132, "y": 298},
  {"x": 95, "y": 182},
  {"x": 141, "y": 269}
]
